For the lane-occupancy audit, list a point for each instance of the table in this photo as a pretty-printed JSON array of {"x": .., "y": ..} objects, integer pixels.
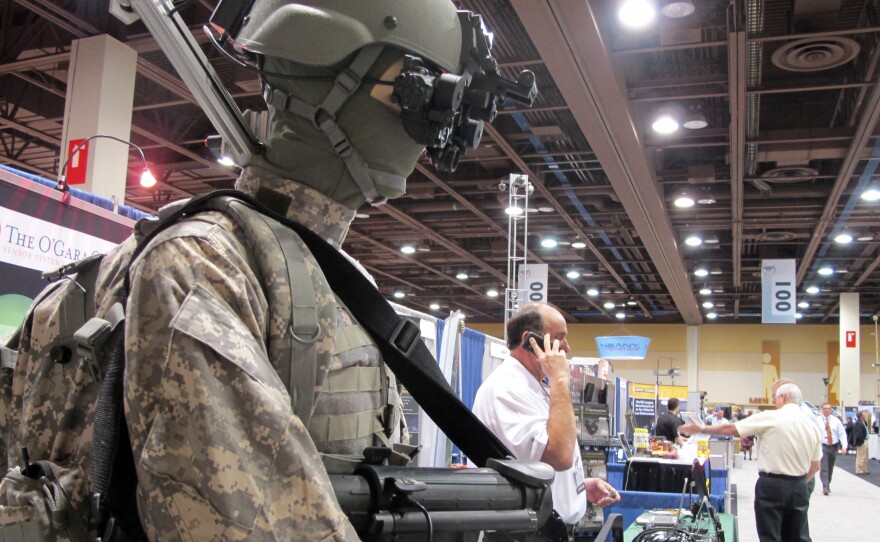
[{"x": 728, "y": 525}]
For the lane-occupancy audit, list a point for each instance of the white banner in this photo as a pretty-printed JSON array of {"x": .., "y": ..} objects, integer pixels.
[
  {"x": 533, "y": 281},
  {"x": 778, "y": 289},
  {"x": 36, "y": 244}
]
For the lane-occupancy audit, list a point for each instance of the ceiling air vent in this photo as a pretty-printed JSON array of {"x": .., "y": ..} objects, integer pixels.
[
  {"x": 789, "y": 174},
  {"x": 815, "y": 54}
]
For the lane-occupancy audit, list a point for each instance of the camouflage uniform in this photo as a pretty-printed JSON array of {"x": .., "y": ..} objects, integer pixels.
[{"x": 220, "y": 454}]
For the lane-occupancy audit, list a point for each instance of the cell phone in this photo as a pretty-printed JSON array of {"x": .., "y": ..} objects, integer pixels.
[{"x": 528, "y": 345}]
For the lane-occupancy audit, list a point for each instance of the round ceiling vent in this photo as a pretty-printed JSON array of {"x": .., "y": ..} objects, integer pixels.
[
  {"x": 815, "y": 54},
  {"x": 789, "y": 174},
  {"x": 775, "y": 236}
]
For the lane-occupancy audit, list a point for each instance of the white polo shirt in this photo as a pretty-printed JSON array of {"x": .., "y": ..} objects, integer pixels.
[
  {"x": 789, "y": 440},
  {"x": 515, "y": 407}
]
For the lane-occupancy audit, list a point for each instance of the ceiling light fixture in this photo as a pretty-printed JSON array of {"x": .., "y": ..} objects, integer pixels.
[
  {"x": 711, "y": 315},
  {"x": 592, "y": 292},
  {"x": 701, "y": 272},
  {"x": 608, "y": 305},
  {"x": 434, "y": 306},
  {"x": 705, "y": 291},
  {"x": 695, "y": 120},
  {"x": 635, "y": 14},
  {"x": 462, "y": 275},
  {"x": 798, "y": 316},
  {"x": 677, "y": 9},
  {"x": 226, "y": 161},
  {"x": 715, "y": 271},
  {"x": 708, "y": 305},
  {"x": 826, "y": 270},
  {"x": 804, "y": 305},
  {"x": 492, "y": 292},
  {"x": 513, "y": 210},
  {"x": 572, "y": 274},
  {"x": 812, "y": 290},
  {"x": 693, "y": 240},
  {"x": 578, "y": 244},
  {"x": 843, "y": 238},
  {"x": 408, "y": 249},
  {"x": 399, "y": 295},
  {"x": 871, "y": 194},
  {"x": 620, "y": 315},
  {"x": 865, "y": 237},
  {"x": 665, "y": 124},
  {"x": 683, "y": 201},
  {"x": 549, "y": 243}
]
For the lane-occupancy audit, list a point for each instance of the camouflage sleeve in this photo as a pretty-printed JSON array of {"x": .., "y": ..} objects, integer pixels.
[{"x": 219, "y": 453}]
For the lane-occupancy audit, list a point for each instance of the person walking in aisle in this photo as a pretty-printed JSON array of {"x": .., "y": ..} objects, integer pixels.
[
  {"x": 833, "y": 436},
  {"x": 860, "y": 442}
]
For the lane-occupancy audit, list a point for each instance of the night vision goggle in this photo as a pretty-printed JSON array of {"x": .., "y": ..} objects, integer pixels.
[{"x": 446, "y": 112}]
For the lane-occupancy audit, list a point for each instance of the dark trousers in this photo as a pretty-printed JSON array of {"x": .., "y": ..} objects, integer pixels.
[
  {"x": 829, "y": 457},
  {"x": 781, "y": 506}
]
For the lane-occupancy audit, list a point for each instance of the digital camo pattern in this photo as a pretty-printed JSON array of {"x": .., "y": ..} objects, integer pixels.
[
  {"x": 310, "y": 208},
  {"x": 220, "y": 454}
]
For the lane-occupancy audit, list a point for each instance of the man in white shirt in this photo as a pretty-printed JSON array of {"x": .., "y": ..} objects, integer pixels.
[
  {"x": 527, "y": 404},
  {"x": 718, "y": 418},
  {"x": 788, "y": 457},
  {"x": 833, "y": 435}
]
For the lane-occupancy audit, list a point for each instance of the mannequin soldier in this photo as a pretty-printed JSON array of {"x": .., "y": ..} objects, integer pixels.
[{"x": 219, "y": 452}]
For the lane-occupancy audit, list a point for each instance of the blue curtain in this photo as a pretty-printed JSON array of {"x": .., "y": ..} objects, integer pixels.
[
  {"x": 124, "y": 210},
  {"x": 473, "y": 344},
  {"x": 440, "y": 325}
]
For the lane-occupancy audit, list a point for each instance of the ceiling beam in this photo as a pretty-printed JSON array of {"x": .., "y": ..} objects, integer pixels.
[
  {"x": 567, "y": 36},
  {"x": 736, "y": 53}
]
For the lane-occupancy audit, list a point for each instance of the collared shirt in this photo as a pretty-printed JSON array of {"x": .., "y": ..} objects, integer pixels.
[
  {"x": 516, "y": 407},
  {"x": 789, "y": 441},
  {"x": 838, "y": 431}
]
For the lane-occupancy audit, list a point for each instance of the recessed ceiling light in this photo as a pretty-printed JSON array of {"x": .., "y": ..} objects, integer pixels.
[
  {"x": 803, "y": 305},
  {"x": 701, "y": 272},
  {"x": 492, "y": 292},
  {"x": 578, "y": 244},
  {"x": 693, "y": 240},
  {"x": 549, "y": 243},
  {"x": 572, "y": 274},
  {"x": 608, "y": 305},
  {"x": 825, "y": 271},
  {"x": 399, "y": 295},
  {"x": 683, "y": 201},
  {"x": 635, "y": 13},
  {"x": 872, "y": 194},
  {"x": 592, "y": 292},
  {"x": 812, "y": 290},
  {"x": 711, "y": 315},
  {"x": 434, "y": 306},
  {"x": 843, "y": 238},
  {"x": 705, "y": 291},
  {"x": 620, "y": 315},
  {"x": 408, "y": 249},
  {"x": 665, "y": 124}
]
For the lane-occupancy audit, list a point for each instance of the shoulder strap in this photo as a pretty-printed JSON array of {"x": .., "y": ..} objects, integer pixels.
[{"x": 397, "y": 339}]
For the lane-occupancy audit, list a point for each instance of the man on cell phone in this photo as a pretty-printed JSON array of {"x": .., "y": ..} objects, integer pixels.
[{"x": 527, "y": 403}]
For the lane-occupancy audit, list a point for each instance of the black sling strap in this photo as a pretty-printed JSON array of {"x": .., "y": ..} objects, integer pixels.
[{"x": 398, "y": 339}]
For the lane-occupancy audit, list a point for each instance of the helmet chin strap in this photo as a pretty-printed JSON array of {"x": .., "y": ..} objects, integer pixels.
[{"x": 323, "y": 117}]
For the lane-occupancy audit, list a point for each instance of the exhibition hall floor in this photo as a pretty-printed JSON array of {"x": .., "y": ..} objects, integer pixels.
[{"x": 839, "y": 516}]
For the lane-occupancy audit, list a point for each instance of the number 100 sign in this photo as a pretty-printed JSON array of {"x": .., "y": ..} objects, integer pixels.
[{"x": 778, "y": 292}]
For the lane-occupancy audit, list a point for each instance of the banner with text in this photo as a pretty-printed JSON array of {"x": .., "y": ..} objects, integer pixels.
[
  {"x": 778, "y": 288},
  {"x": 533, "y": 282}
]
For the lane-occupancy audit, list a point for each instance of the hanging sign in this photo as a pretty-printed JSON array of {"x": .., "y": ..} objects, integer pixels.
[
  {"x": 533, "y": 283},
  {"x": 77, "y": 166},
  {"x": 623, "y": 347},
  {"x": 778, "y": 283}
]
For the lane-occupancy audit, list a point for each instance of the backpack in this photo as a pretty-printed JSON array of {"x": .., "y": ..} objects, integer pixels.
[{"x": 62, "y": 374}]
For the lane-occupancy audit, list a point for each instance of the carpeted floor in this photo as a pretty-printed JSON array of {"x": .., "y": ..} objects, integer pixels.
[{"x": 848, "y": 463}]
